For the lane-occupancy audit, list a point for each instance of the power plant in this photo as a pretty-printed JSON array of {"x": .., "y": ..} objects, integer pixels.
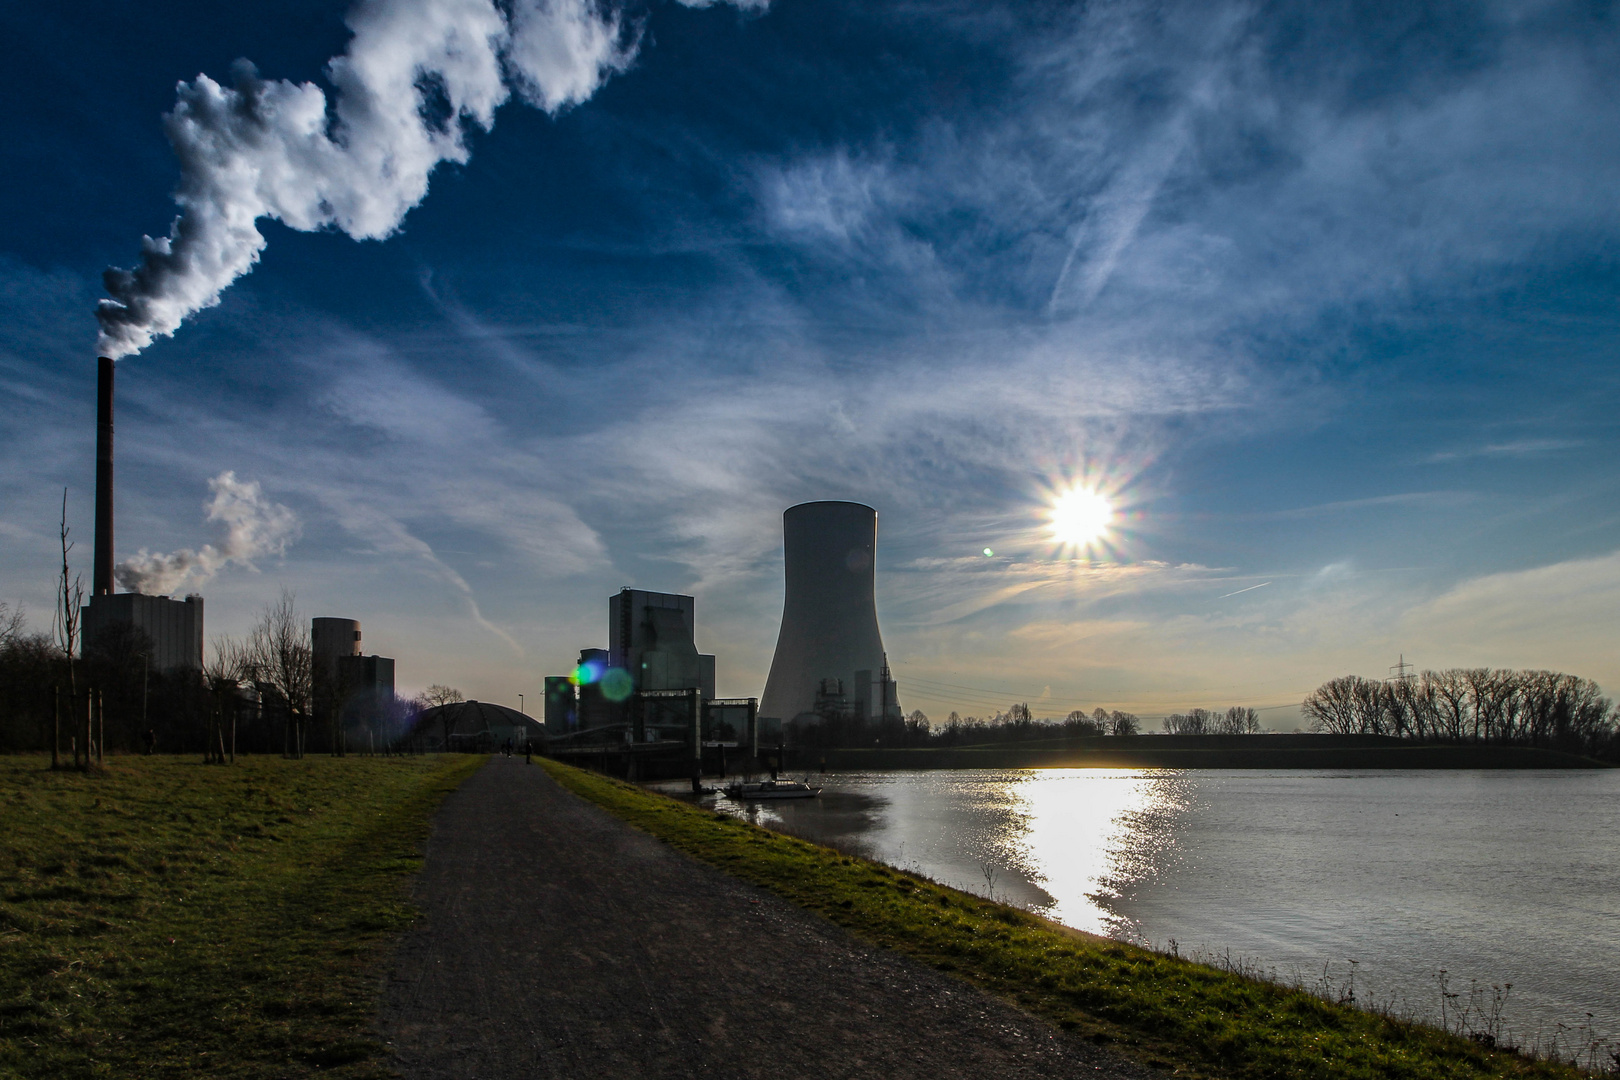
[
  {"x": 174, "y": 628},
  {"x": 829, "y": 655},
  {"x": 646, "y": 704},
  {"x": 650, "y": 696},
  {"x": 340, "y": 676}
]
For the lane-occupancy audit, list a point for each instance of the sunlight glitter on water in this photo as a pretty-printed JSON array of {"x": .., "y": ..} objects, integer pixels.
[
  {"x": 1483, "y": 877},
  {"x": 1067, "y": 843},
  {"x": 1094, "y": 835}
]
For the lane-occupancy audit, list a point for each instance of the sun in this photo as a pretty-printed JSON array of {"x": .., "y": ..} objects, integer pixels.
[{"x": 1081, "y": 517}]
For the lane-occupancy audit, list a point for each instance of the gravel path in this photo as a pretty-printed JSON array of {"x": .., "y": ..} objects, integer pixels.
[{"x": 558, "y": 941}]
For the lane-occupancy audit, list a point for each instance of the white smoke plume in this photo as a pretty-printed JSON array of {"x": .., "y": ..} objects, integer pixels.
[
  {"x": 416, "y": 73},
  {"x": 252, "y": 528}
]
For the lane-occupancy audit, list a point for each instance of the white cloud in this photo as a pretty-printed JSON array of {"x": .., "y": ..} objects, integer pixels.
[
  {"x": 831, "y": 196},
  {"x": 1560, "y": 616}
]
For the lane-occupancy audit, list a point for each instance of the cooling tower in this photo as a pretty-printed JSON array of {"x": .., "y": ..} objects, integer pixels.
[
  {"x": 829, "y": 618},
  {"x": 101, "y": 569}
]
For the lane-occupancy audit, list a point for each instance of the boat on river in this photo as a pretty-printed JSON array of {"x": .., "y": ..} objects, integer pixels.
[{"x": 770, "y": 789}]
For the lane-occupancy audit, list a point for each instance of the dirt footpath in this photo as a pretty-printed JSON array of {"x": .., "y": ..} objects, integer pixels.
[{"x": 559, "y": 942}]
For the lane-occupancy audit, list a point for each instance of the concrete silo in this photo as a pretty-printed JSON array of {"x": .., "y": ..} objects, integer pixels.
[
  {"x": 330, "y": 640},
  {"x": 829, "y": 654}
]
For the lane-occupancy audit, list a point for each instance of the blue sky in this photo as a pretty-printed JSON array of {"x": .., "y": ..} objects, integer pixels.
[{"x": 1324, "y": 296}]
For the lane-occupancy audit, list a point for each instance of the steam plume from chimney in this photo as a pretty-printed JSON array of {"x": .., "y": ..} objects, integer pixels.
[
  {"x": 415, "y": 74},
  {"x": 253, "y": 527}
]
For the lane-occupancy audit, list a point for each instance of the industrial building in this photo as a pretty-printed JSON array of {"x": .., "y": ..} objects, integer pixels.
[
  {"x": 475, "y": 727},
  {"x": 829, "y": 658},
  {"x": 649, "y": 697},
  {"x": 653, "y": 636},
  {"x": 172, "y": 628},
  {"x": 340, "y": 676}
]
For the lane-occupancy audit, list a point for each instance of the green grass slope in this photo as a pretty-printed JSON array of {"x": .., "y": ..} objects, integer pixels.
[{"x": 165, "y": 918}]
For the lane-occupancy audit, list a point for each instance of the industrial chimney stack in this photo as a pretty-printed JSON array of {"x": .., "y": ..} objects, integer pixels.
[
  {"x": 829, "y": 619},
  {"x": 101, "y": 577},
  {"x": 174, "y": 628}
]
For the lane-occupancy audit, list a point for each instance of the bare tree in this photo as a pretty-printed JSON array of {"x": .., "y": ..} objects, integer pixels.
[
  {"x": 1079, "y": 722},
  {"x": 916, "y": 727},
  {"x": 438, "y": 696},
  {"x": 1191, "y": 722},
  {"x": 69, "y": 605},
  {"x": 1449, "y": 694},
  {"x": 1123, "y": 723},
  {"x": 225, "y": 671},
  {"x": 1487, "y": 705},
  {"x": 1239, "y": 720},
  {"x": 1334, "y": 706},
  {"x": 12, "y": 623},
  {"x": 279, "y": 653}
]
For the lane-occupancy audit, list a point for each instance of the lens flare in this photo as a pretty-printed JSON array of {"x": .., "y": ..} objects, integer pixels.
[
  {"x": 616, "y": 684},
  {"x": 1081, "y": 517}
]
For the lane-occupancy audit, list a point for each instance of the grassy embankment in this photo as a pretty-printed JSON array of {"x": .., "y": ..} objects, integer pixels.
[
  {"x": 166, "y": 918},
  {"x": 1162, "y": 1009}
]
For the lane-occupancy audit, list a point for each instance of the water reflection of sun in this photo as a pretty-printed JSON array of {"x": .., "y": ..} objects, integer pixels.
[{"x": 1095, "y": 834}]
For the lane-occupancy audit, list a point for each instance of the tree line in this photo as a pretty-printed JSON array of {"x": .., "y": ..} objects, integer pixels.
[
  {"x": 255, "y": 694},
  {"x": 1479, "y": 705},
  {"x": 1237, "y": 720},
  {"x": 1016, "y": 723}
]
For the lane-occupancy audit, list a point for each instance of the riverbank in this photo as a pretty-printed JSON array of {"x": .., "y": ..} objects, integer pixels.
[
  {"x": 161, "y": 917},
  {"x": 558, "y": 941},
  {"x": 1162, "y": 1009},
  {"x": 1198, "y": 752}
]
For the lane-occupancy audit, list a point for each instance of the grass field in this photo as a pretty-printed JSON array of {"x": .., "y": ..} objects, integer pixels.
[
  {"x": 1189, "y": 1017},
  {"x": 167, "y": 918}
]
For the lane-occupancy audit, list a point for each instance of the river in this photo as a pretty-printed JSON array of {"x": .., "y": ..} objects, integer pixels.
[{"x": 1376, "y": 882}]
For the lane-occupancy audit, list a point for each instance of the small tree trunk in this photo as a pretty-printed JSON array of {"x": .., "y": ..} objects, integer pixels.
[
  {"x": 85, "y": 726},
  {"x": 56, "y": 727}
]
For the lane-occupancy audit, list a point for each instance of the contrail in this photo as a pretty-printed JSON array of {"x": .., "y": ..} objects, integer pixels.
[
  {"x": 1251, "y": 588},
  {"x": 416, "y": 75}
]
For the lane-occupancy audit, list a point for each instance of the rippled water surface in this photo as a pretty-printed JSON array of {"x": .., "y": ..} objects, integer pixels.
[{"x": 1493, "y": 877}]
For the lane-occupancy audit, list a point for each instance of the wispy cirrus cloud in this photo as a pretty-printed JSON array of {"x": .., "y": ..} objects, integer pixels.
[{"x": 1516, "y": 448}]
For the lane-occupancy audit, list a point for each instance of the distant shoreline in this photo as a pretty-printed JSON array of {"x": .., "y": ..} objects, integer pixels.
[{"x": 1198, "y": 752}]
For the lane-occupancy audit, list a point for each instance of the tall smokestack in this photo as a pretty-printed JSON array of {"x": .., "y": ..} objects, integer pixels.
[
  {"x": 829, "y": 618},
  {"x": 101, "y": 577}
]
